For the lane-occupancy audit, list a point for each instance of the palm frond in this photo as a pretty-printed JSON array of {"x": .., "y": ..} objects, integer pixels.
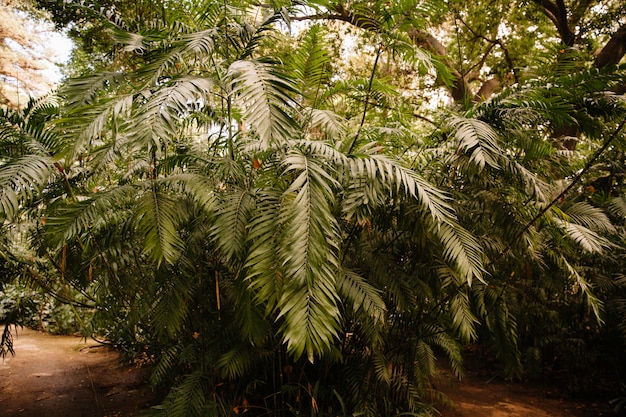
[
  {"x": 82, "y": 127},
  {"x": 158, "y": 216},
  {"x": 309, "y": 64},
  {"x": 262, "y": 273},
  {"x": 235, "y": 362},
  {"x": 591, "y": 217},
  {"x": 20, "y": 181},
  {"x": 309, "y": 257},
  {"x": 503, "y": 326},
  {"x": 594, "y": 303},
  {"x": 231, "y": 225},
  {"x": 463, "y": 320},
  {"x": 263, "y": 98},
  {"x": 332, "y": 125},
  {"x": 85, "y": 90},
  {"x": 478, "y": 139},
  {"x": 355, "y": 289},
  {"x": 618, "y": 206},
  {"x": 588, "y": 240},
  {"x": 462, "y": 249},
  {"x": 534, "y": 186},
  {"x": 158, "y": 112},
  {"x": 89, "y": 214},
  {"x": 186, "y": 399},
  {"x": 450, "y": 345},
  {"x": 170, "y": 310},
  {"x": 373, "y": 167}
]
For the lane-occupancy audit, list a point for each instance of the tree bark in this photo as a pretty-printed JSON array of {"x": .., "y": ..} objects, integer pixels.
[
  {"x": 614, "y": 50},
  {"x": 557, "y": 12}
]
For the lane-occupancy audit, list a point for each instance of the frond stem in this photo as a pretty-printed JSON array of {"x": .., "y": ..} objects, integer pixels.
[
  {"x": 367, "y": 97},
  {"x": 506, "y": 250},
  {"x": 231, "y": 149},
  {"x": 562, "y": 194}
]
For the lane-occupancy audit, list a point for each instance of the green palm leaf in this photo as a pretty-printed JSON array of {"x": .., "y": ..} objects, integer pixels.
[
  {"x": 591, "y": 217},
  {"x": 263, "y": 97},
  {"x": 232, "y": 219},
  {"x": 158, "y": 216},
  {"x": 309, "y": 257},
  {"x": 462, "y": 249},
  {"x": 363, "y": 296},
  {"x": 88, "y": 214},
  {"x": 21, "y": 180},
  {"x": 478, "y": 139},
  {"x": 588, "y": 240},
  {"x": 158, "y": 113}
]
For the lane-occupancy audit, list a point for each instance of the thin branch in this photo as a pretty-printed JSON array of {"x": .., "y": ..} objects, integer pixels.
[
  {"x": 367, "y": 96},
  {"x": 493, "y": 42},
  {"x": 562, "y": 194}
]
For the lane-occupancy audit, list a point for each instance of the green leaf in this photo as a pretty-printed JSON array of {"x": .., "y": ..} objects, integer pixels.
[
  {"x": 158, "y": 215},
  {"x": 263, "y": 97}
]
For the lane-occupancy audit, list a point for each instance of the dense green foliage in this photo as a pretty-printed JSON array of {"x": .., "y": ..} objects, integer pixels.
[{"x": 284, "y": 228}]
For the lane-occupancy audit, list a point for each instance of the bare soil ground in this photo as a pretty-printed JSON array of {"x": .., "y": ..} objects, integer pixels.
[
  {"x": 65, "y": 376},
  {"x": 476, "y": 396}
]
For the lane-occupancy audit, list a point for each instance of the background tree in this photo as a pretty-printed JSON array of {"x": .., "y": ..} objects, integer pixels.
[{"x": 27, "y": 62}]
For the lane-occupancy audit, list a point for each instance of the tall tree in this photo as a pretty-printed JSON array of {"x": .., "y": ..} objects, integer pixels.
[{"x": 27, "y": 62}]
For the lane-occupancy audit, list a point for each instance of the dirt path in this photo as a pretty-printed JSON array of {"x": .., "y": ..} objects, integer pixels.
[
  {"x": 62, "y": 376},
  {"x": 56, "y": 376},
  {"x": 480, "y": 395}
]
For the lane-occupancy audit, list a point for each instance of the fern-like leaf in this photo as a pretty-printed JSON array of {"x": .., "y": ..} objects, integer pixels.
[{"x": 262, "y": 96}]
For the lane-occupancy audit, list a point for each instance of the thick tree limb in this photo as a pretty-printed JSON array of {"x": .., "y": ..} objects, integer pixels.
[
  {"x": 614, "y": 50},
  {"x": 459, "y": 87},
  {"x": 557, "y": 13}
]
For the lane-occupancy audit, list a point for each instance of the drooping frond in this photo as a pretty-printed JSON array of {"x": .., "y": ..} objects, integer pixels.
[
  {"x": 232, "y": 218},
  {"x": 328, "y": 122},
  {"x": 618, "y": 206},
  {"x": 201, "y": 188},
  {"x": 83, "y": 127},
  {"x": 503, "y": 326},
  {"x": 477, "y": 139},
  {"x": 591, "y": 217},
  {"x": 588, "y": 240},
  {"x": 170, "y": 309},
  {"x": 158, "y": 216},
  {"x": 596, "y": 306},
  {"x": 187, "y": 399},
  {"x": 158, "y": 113},
  {"x": 86, "y": 90},
  {"x": 463, "y": 320},
  {"x": 534, "y": 186},
  {"x": 89, "y": 214},
  {"x": 263, "y": 98},
  {"x": 462, "y": 249},
  {"x": 362, "y": 295},
  {"x": 235, "y": 362},
  {"x": 263, "y": 277},
  {"x": 20, "y": 180},
  {"x": 373, "y": 166},
  {"x": 309, "y": 257}
]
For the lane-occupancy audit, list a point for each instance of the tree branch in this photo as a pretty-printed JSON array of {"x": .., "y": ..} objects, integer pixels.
[
  {"x": 557, "y": 13},
  {"x": 459, "y": 88},
  {"x": 562, "y": 194},
  {"x": 614, "y": 50}
]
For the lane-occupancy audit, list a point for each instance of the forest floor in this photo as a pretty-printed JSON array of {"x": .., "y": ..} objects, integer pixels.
[{"x": 65, "y": 376}]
